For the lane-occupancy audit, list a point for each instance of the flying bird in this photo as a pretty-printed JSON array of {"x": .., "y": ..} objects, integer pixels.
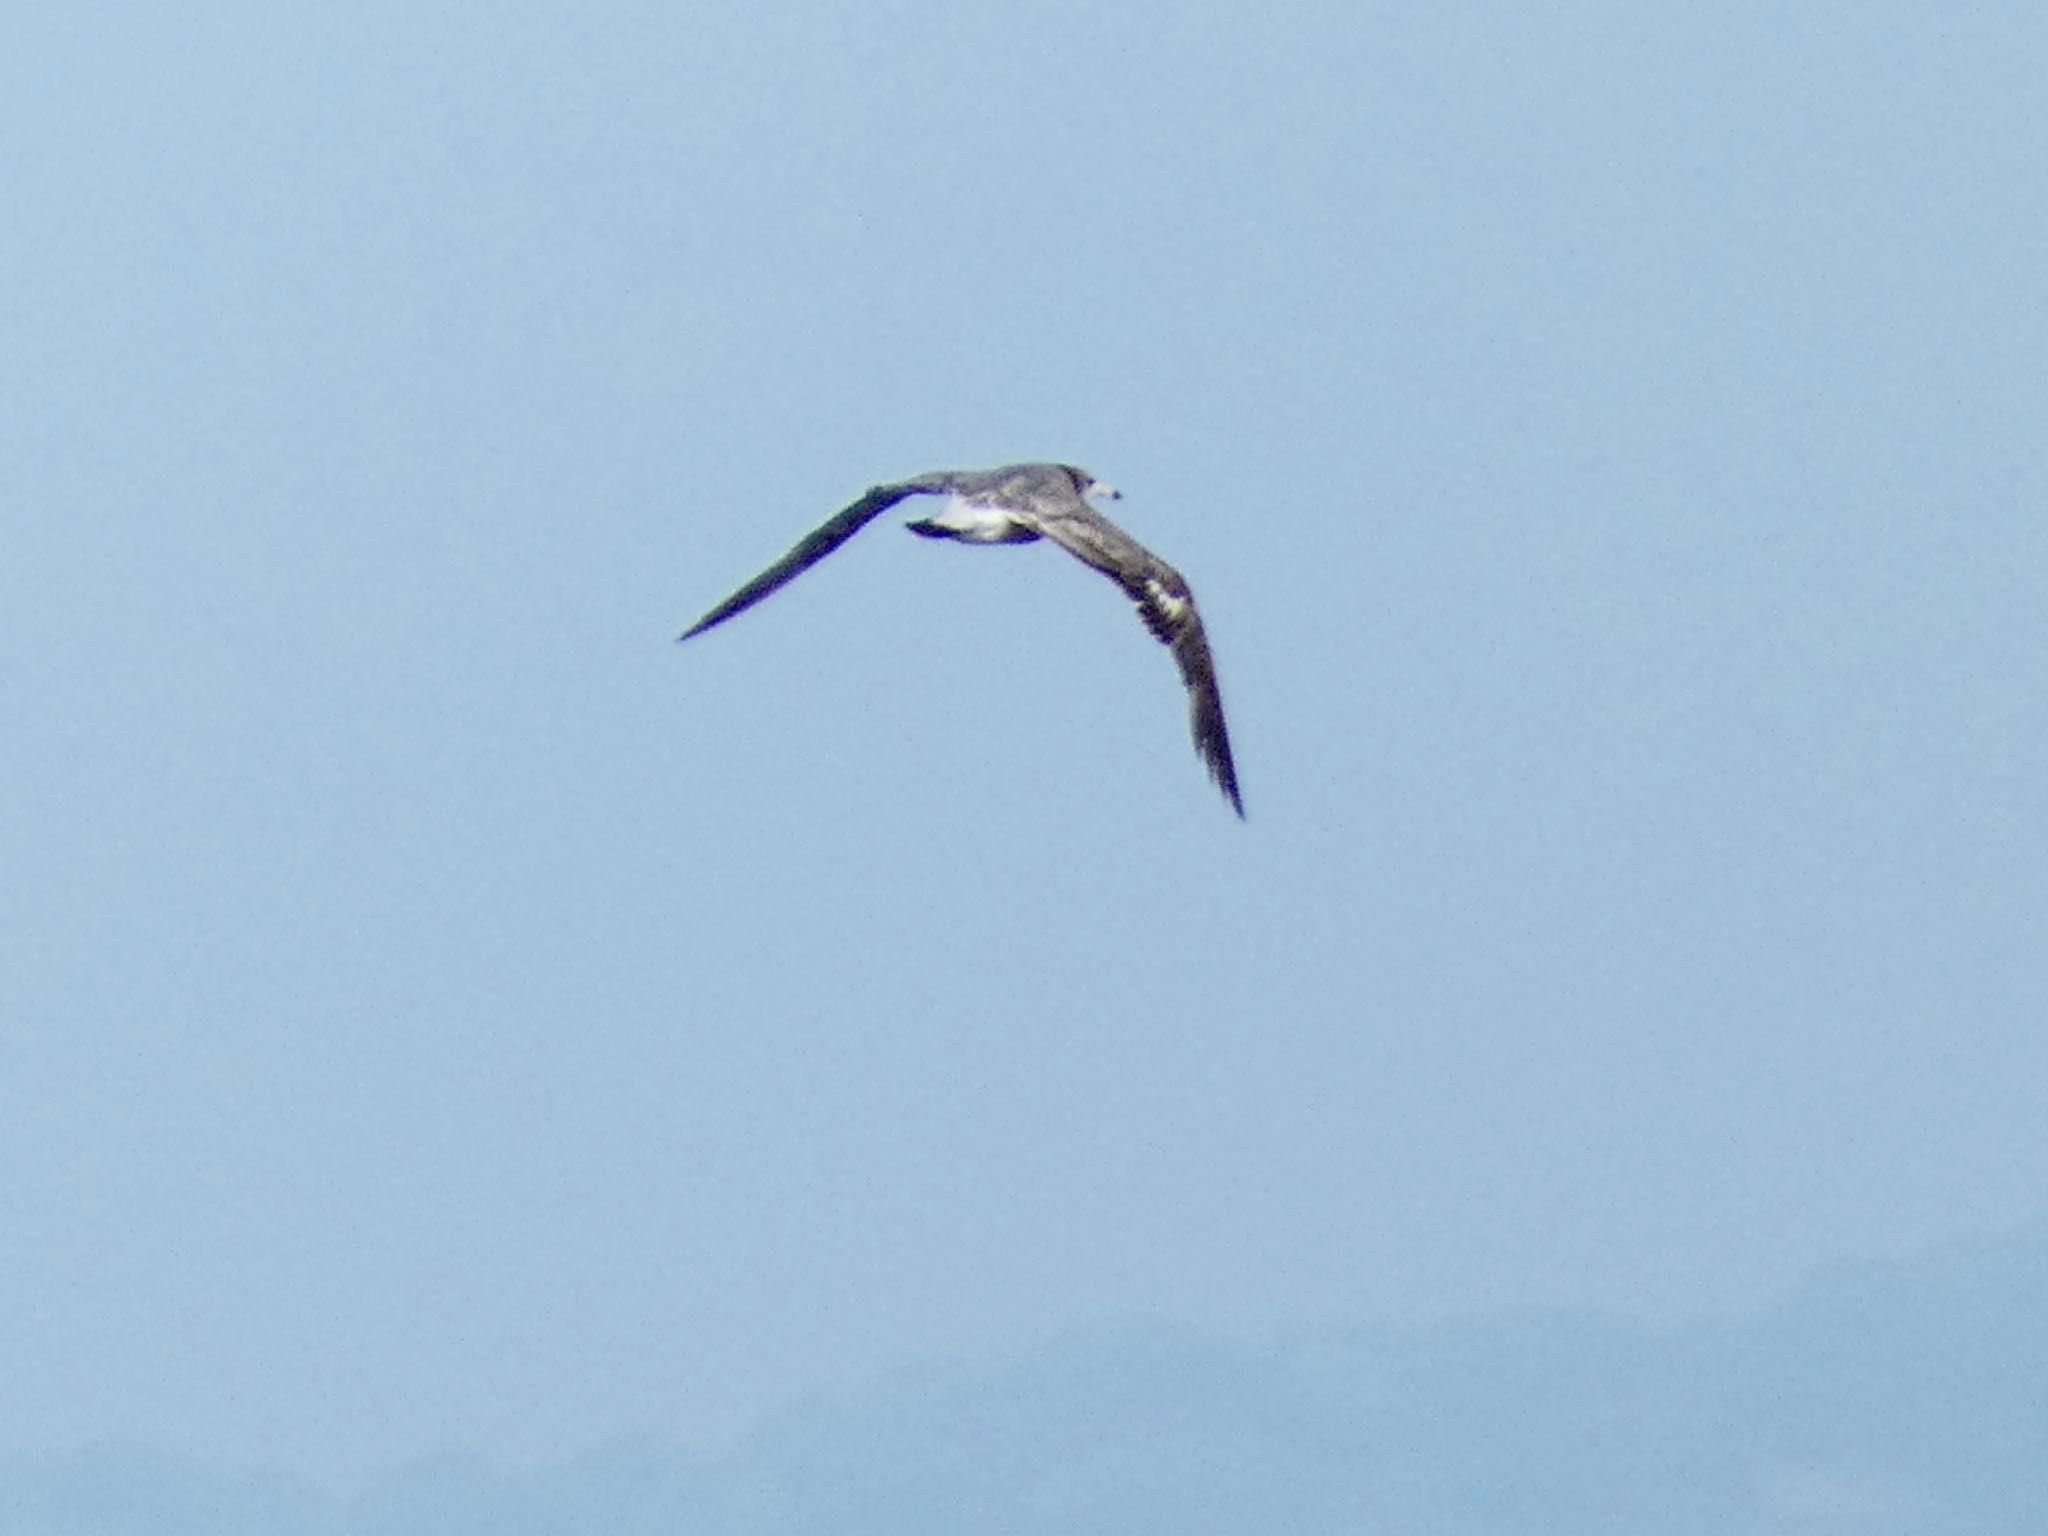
[{"x": 1019, "y": 504}]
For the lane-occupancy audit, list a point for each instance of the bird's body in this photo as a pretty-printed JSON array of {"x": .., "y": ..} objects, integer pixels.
[{"x": 1019, "y": 504}]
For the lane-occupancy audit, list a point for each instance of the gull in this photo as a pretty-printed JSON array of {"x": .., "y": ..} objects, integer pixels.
[{"x": 1020, "y": 504}]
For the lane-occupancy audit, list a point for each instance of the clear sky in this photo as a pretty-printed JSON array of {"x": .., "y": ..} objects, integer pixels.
[{"x": 436, "y": 1010}]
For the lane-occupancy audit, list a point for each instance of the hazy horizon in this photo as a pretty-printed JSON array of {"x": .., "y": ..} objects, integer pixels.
[{"x": 1879, "y": 1397}]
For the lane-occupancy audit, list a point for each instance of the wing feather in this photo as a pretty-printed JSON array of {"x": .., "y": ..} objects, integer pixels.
[
  {"x": 808, "y": 551},
  {"x": 1168, "y": 608}
]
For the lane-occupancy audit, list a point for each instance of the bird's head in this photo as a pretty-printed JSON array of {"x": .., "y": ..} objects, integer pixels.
[{"x": 1090, "y": 488}]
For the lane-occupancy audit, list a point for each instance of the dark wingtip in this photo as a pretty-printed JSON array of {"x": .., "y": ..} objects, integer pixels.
[{"x": 1229, "y": 787}]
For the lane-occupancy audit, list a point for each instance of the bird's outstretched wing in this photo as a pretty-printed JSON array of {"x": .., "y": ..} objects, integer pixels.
[
  {"x": 1168, "y": 609},
  {"x": 808, "y": 551}
]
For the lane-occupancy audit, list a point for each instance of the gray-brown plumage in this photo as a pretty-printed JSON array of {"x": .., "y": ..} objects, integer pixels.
[{"x": 1018, "y": 504}]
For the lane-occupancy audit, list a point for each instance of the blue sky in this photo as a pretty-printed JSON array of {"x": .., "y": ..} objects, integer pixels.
[{"x": 439, "y": 1011}]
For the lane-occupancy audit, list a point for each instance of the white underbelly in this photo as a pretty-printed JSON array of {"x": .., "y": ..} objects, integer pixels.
[{"x": 976, "y": 522}]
